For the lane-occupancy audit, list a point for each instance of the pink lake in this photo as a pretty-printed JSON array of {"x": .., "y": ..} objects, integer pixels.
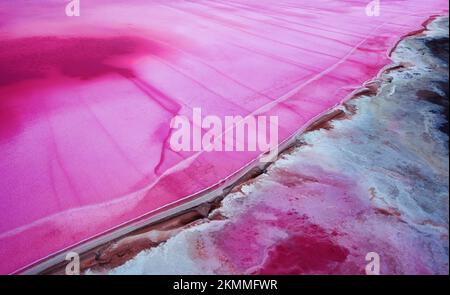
[{"x": 86, "y": 102}]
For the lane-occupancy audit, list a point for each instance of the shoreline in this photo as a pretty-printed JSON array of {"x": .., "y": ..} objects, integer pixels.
[{"x": 172, "y": 223}]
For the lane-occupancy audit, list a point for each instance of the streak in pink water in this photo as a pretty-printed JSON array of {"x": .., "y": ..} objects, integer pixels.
[{"x": 85, "y": 102}]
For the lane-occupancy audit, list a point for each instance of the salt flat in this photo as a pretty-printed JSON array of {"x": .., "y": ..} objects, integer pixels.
[{"x": 86, "y": 102}]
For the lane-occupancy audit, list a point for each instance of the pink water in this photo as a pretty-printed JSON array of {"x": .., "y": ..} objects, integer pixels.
[{"x": 85, "y": 102}]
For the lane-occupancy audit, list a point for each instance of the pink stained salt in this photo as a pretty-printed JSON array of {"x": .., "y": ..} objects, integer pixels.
[{"x": 86, "y": 102}]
